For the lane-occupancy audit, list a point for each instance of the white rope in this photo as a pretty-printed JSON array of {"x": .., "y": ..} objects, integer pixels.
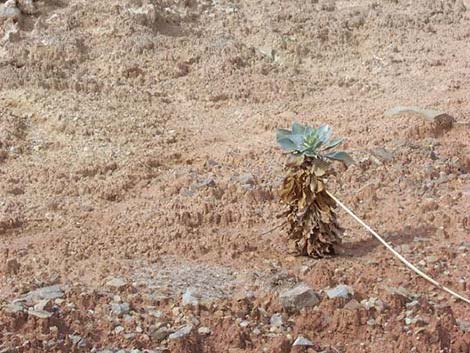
[{"x": 394, "y": 252}]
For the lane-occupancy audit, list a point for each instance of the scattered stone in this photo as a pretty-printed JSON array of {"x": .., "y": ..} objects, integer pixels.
[
  {"x": 26, "y": 6},
  {"x": 14, "y": 308},
  {"x": 120, "y": 309},
  {"x": 256, "y": 331},
  {"x": 340, "y": 291},
  {"x": 75, "y": 338},
  {"x": 371, "y": 322},
  {"x": 207, "y": 182},
  {"x": 12, "y": 266},
  {"x": 373, "y": 303},
  {"x": 400, "y": 291},
  {"x": 9, "y": 11},
  {"x": 156, "y": 313},
  {"x": 412, "y": 304},
  {"x": 302, "y": 341},
  {"x": 299, "y": 297},
  {"x": 382, "y": 154},
  {"x": 352, "y": 305},
  {"x": 50, "y": 292},
  {"x": 181, "y": 333},
  {"x": 205, "y": 331},
  {"x": 43, "y": 305},
  {"x": 246, "y": 179},
  {"x": 118, "y": 329},
  {"x": 161, "y": 334},
  {"x": 276, "y": 320},
  {"x": 190, "y": 298},
  {"x": 116, "y": 282},
  {"x": 244, "y": 323},
  {"x": 464, "y": 325},
  {"x": 42, "y": 314}
]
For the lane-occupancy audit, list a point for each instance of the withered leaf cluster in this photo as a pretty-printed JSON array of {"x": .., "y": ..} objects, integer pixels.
[{"x": 312, "y": 226}]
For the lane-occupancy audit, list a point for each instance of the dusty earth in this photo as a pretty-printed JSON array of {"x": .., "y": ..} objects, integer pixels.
[{"x": 138, "y": 168}]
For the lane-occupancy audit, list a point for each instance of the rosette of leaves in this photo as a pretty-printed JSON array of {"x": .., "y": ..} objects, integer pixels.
[{"x": 313, "y": 229}]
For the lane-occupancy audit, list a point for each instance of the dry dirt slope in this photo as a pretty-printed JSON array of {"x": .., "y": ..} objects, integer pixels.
[{"x": 137, "y": 160}]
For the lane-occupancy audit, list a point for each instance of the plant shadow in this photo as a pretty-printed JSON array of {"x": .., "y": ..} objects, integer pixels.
[{"x": 396, "y": 239}]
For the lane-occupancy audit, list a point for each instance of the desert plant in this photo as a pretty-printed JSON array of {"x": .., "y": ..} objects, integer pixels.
[{"x": 313, "y": 229}]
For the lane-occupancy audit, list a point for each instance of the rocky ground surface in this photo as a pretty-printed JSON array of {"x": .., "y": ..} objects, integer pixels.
[{"x": 139, "y": 168}]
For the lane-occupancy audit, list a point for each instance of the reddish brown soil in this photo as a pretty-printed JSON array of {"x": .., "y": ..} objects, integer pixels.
[{"x": 137, "y": 140}]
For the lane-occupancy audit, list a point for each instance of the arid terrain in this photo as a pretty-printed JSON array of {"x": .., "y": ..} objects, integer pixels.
[{"x": 139, "y": 170}]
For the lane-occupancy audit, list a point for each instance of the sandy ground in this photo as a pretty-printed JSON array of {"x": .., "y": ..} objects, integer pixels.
[{"x": 138, "y": 168}]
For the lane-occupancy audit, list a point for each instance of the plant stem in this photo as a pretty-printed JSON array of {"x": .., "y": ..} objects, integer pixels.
[
  {"x": 273, "y": 229},
  {"x": 400, "y": 257}
]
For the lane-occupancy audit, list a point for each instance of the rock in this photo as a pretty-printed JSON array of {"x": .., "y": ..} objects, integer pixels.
[
  {"x": 352, "y": 305},
  {"x": 276, "y": 320},
  {"x": 204, "y": 331},
  {"x": 9, "y": 11},
  {"x": 246, "y": 179},
  {"x": 160, "y": 334},
  {"x": 12, "y": 266},
  {"x": 371, "y": 322},
  {"x": 120, "y": 309},
  {"x": 340, "y": 291},
  {"x": 75, "y": 338},
  {"x": 43, "y": 305},
  {"x": 116, "y": 282},
  {"x": 14, "y": 308},
  {"x": 145, "y": 15},
  {"x": 400, "y": 291},
  {"x": 42, "y": 314},
  {"x": 299, "y": 297},
  {"x": 244, "y": 323},
  {"x": 207, "y": 182},
  {"x": 373, "y": 303},
  {"x": 466, "y": 4},
  {"x": 190, "y": 298},
  {"x": 26, "y": 6},
  {"x": 382, "y": 154},
  {"x": 118, "y": 329},
  {"x": 181, "y": 333},
  {"x": 50, "y": 292},
  {"x": 302, "y": 341},
  {"x": 464, "y": 325}
]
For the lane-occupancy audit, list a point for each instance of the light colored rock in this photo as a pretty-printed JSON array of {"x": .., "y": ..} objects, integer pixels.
[
  {"x": 466, "y": 4},
  {"x": 352, "y": 305},
  {"x": 160, "y": 334},
  {"x": 204, "y": 331},
  {"x": 42, "y": 304},
  {"x": 145, "y": 15},
  {"x": 120, "y": 309},
  {"x": 303, "y": 342},
  {"x": 14, "y": 308},
  {"x": 340, "y": 291},
  {"x": 244, "y": 323},
  {"x": 299, "y": 297},
  {"x": 75, "y": 338},
  {"x": 116, "y": 282},
  {"x": 247, "y": 179},
  {"x": 26, "y": 6},
  {"x": 190, "y": 298},
  {"x": 181, "y": 333},
  {"x": 464, "y": 325},
  {"x": 42, "y": 314},
  {"x": 9, "y": 11},
  {"x": 276, "y": 320},
  {"x": 373, "y": 303},
  {"x": 50, "y": 292}
]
